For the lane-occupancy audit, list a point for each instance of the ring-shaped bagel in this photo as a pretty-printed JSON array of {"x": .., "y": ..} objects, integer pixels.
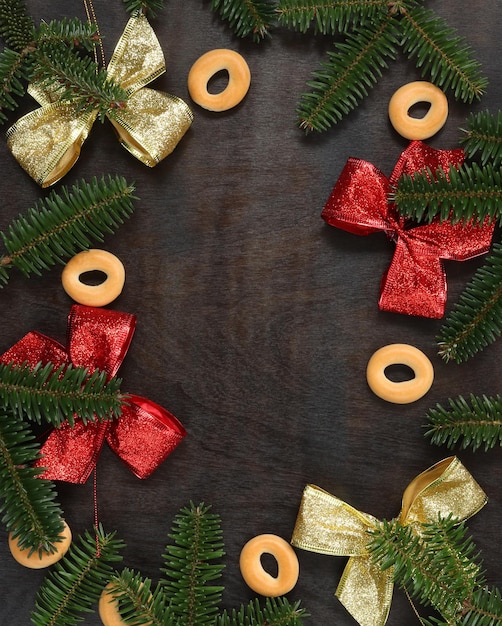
[
  {"x": 108, "y": 608},
  {"x": 405, "y": 391},
  {"x": 257, "y": 578},
  {"x": 209, "y": 64},
  {"x": 88, "y": 261},
  {"x": 35, "y": 560},
  {"x": 405, "y": 97}
]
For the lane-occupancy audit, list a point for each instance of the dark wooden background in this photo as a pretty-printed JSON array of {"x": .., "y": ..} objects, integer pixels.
[{"x": 255, "y": 319}]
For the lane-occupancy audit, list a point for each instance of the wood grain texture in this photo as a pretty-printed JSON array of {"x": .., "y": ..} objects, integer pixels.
[{"x": 255, "y": 319}]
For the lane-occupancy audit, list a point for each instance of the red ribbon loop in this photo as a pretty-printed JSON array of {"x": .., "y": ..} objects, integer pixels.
[
  {"x": 145, "y": 433},
  {"x": 415, "y": 282}
]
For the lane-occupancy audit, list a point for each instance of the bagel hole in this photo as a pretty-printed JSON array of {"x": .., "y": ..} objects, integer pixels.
[
  {"x": 92, "y": 278},
  {"x": 398, "y": 372},
  {"x": 419, "y": 110},
  {"x": 218, "y": 82},
  {"x": 269, "y": 564}
]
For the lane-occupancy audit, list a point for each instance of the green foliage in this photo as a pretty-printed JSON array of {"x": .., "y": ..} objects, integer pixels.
[
  {"x": 345, "y": 79},
  {"x": 15, "y": 72},
  {"x": 76, "y": 582},
  {"x": 476, "y": 319},
  {"x": 483, "y": 137},
  {"x": 254, "y": 18},
  {"x": 151, "y": 8},
  {"x": 437, "y": 564},
  {"x": 16, "y": 26},
  {"x": 65, "y": 223},
  {"x": 328, "y": 19},
  {"x": 187, "y": 596},
  {"x": 27, "y": 502},
  {"x": 441, "y": 54},
  {"x": 53, "y": 395},
  {"x": 275, "y": 612},
  {"x": 79, "y": 80},
  {"x": 472, "y": 423},
  {"x": 459, "y": 195},
  {"x": 189, "y": 565}
]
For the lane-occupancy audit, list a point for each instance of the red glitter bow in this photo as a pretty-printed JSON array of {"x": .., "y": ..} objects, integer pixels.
[
  {"x": 415, "y": 282},
  {"x": 142, "y": 436}
]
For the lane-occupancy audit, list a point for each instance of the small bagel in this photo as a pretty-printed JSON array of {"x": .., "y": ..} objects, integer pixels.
[
  {"x": 260, "y": 580},
  {"x": 209, "y": 64},
  {"x": 88, "y": 261},
  {"x": 405, "y": 391},
  {"x": 35, "y": 560},
  {"x": 405, "y": 97}
]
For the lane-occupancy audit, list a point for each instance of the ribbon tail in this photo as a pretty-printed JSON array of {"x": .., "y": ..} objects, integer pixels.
[
  {"x": 144, "y": 435},
  {"x": 366, "y": 591},
  {"x": 70, "y": 453},
  {"x": 414, "y": 284},
  {"x": 47, "y": 141},
  {"x": 152, "y": 124}
]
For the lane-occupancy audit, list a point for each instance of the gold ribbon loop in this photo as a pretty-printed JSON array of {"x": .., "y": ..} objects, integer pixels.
[
  {"x": 47, "y": 141},
  {"x": 327, "y": 525}
]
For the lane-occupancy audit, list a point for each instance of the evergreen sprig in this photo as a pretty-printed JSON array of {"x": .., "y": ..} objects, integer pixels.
[
  {"x": 328, "y": 18},
  {"x": 483, "y": 137},
  {"x": 470, "y": 423},
  {"x": 275, "y": 612},
  {"x": 138, "y": 603},
  {"x": 54, "y": 395},
  {"x": 439, "y": 53},
  {"x": 189, "y": 565},
  {"x": 439, "y": 565},
  {"x": 344, "y": 80},
  {"x": 254, "y": 18},
  {"x": 27, "y": 501},
  {"x": 476, "y": 319},
  {"x": 17, "y": 28},
  {"x": 32, "y": 53},
  {"x": 148, "y": 7},
  {"x": 76, "y": 583},
  {"x": 65, "y": 223},
  {"x": 469, "y": 193}
]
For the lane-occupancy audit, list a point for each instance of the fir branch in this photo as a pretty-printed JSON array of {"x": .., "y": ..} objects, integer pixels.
[
  {"x": 16, "y": 26},
  {"x": 328, "y": 18},
  {"x": 254, "y": 18},
  {"x": 27, "y": 502},
  {"x": 54, "y": 395},
  {"x": 474, "y": 423},
  {"x": 459, "y": 195},
  {"x": 138, "y": 604},
  {"x": 79, "y": 81},
  {"x": 77, "y": 581},
  {"x": 276, "y": 612},
  {"x": 483, "y": 137},
  {"x": 345, "y": 78},
  {"x": 15, "y": 71},
  {"x": 438, "y": 565},
  {"x": 148, "y": 7},
  {"x": 188, "y": 565},
  {"x": 476, "y": 320},
  {"x": 65, "y": 223},
  {"x": 442, "y": 54},
  {"x": 484, "y": 608}
]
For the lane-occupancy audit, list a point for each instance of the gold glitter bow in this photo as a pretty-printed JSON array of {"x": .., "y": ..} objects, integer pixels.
[
  {"x": 328, "y": 525},
  {"x": 47, "y": 141}
]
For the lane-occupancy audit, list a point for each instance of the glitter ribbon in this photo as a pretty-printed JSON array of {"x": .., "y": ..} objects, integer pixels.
[
  {"x": 144, "y": 434},
  {"x": 47, "y": 141},
  {"x": 328, "y": 525},
  {"x": 415, "y": 282}
]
